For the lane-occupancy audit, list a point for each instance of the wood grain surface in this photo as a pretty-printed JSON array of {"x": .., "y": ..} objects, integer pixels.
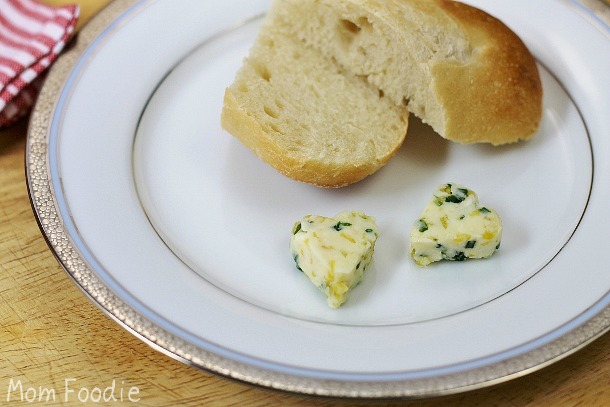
[{"x": 52, "y": 338}]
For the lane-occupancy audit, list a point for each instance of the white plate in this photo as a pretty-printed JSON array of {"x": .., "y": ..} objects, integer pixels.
[{"x": 181, "y": 234}]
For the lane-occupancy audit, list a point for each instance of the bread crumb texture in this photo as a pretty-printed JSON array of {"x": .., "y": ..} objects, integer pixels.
[
  {"x": 302, "y": 113},
  {"x": 458, "y": 68}
]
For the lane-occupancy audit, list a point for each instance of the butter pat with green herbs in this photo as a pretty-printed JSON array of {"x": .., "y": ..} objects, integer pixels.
[
  {"x": 334, "y": 252},
  {"x": 454, "y": 226}
]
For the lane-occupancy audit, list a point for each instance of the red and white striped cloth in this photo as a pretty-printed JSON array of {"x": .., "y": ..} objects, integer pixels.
[{"x": 32, "y": 35}]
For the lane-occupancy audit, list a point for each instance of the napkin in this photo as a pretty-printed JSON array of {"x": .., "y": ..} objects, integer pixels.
[{"x": 32, "y": 35}]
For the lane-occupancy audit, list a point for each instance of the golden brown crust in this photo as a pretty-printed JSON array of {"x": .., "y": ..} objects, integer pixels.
[
  {"x": 320, "y": 173},
  {"x": 497, "y": 96},
  {"x": 488, "y": 91}
]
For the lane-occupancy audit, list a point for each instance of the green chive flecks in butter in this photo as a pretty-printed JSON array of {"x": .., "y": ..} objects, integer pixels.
[
  {"x": 455, "y": 227},
  {"x": 334, "y": 252}
]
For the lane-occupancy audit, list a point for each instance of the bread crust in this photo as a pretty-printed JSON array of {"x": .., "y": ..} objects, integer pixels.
[
  {"x": 500, "y": 86},
  {"x": 320, "y": 173},
  {"x": 477, "y": 80}
]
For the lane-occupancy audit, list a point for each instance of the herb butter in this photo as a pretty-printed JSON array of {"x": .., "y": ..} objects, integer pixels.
[
  {"x": 454, "y": 226},
  {"x": 334, "y": 252}
]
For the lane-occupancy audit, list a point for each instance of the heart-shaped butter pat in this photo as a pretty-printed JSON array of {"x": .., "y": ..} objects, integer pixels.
[
  {"x": 334, "y": 252},
  {"x": 454, "y": 226}
]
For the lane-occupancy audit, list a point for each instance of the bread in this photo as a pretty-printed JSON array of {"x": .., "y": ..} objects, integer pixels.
[
  {"x": 304, "y": 115},
  {"x": 460, "y": 70}
]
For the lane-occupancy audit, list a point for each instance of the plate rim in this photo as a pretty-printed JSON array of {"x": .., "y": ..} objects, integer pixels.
[{"x": 52, "y": 227}]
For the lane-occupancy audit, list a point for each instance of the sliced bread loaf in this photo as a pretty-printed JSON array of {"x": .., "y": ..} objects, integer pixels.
[
  {"x": 459, "y": 69},
  {"x": 300, "y": 112}
]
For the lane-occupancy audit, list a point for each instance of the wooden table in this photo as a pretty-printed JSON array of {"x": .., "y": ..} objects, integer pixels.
[{"x": 51, "y": 334}]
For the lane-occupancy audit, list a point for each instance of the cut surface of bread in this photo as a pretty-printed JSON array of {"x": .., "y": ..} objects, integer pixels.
[
  {"x": 305, "y": 116},
  {"x": 459, "y": 69}
]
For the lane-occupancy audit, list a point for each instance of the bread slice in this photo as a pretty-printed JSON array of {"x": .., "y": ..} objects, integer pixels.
[
  {"x": 304, "y": 115},
  {"x": 460, "y": 70}
]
